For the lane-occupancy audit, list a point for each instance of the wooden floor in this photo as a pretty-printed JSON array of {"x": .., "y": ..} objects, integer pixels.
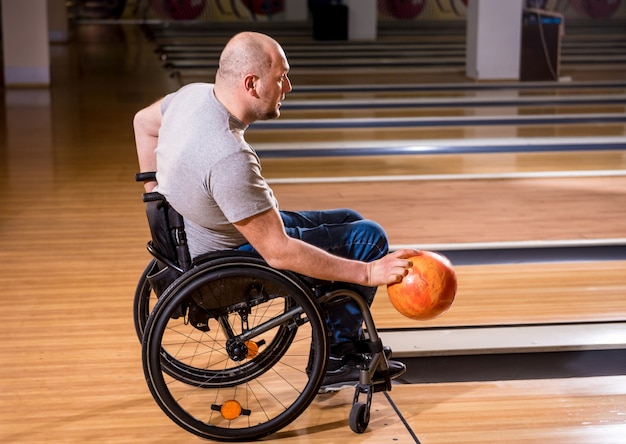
[{"x": 73, "y": 232}]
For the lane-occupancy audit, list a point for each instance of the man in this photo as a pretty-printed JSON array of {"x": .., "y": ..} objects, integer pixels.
[{"x": 194, "y": 140}]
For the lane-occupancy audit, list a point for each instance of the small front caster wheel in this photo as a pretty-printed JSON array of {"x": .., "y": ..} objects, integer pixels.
[{"x": 359, "y": 417}]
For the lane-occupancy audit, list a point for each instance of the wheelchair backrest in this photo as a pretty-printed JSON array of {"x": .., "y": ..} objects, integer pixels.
[{"x": 167, "y": 230}]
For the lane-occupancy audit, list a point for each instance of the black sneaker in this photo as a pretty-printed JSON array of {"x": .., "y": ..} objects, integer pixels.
[
  {"x": 348, "y": 375},
  {"x": 337, "y": 362}
]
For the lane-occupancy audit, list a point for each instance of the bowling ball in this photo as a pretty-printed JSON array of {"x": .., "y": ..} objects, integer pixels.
[
  {"x": 599, "y": 8},
  {"x": 405, "y": 9},
  {"x": 181, "y": 9},
  {"x": 264, "y": 7},
  {"x": 429, "y": 288}
]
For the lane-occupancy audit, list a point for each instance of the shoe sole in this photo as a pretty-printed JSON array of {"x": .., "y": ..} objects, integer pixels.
[
  {"x": 335, "y": 388},
  {"x": 331, "y": 388}
]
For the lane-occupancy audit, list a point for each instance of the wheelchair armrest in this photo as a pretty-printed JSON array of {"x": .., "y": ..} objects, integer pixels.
[{"x": 147, "y": 176}]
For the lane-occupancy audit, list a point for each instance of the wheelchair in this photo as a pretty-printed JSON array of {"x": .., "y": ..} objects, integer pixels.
[{"x": 233, "y": 349}]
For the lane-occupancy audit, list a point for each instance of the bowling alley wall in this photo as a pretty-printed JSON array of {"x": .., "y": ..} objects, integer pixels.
[{"x": 277, "y": 10}]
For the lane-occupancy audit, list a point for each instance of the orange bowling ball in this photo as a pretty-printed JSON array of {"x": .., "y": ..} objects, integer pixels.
[{"x": 429, "y": 288}]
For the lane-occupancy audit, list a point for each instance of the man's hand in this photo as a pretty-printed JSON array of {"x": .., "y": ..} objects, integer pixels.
[{"x": 391, "y": 268}]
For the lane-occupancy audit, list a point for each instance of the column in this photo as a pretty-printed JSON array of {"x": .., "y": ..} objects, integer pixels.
[
  {"x": 296, "y": 10},
  {"x": 25, "y": 43},
  {"x": 493, "y": 39},
  {"x": 362, "y": 19}
]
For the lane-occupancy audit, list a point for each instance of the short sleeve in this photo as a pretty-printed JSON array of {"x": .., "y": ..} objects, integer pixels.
[{"x": 236, "y": 185}]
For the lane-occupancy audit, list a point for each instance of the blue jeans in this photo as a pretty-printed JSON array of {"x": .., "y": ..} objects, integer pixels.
[{"x": 344, "y": 233}]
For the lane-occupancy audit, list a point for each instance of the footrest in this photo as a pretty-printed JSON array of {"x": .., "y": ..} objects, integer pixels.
[{"x": 381, "y": 387}]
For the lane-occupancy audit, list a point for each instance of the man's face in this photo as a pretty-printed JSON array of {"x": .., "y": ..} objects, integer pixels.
[{"x": 272, "y": 89}]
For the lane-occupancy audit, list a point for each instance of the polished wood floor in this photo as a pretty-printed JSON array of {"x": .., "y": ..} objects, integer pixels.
[{"x": 72, "y": 236}]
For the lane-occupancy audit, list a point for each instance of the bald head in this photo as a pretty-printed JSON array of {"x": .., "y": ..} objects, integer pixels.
[
  {"x": 251, "y": 80},
  {"x": 247, "y": 53}
]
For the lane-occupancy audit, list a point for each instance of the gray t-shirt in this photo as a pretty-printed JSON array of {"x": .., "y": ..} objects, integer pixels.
[{"x": 206, "y": 170}]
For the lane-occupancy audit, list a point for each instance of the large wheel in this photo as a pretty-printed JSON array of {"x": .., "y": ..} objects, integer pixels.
[
  {"x": 145, "y": 300},
  {"x": 259, "y": 365}
]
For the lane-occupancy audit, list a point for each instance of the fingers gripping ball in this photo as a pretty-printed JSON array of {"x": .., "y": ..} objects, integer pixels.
[{"x": 428, "y": 290}]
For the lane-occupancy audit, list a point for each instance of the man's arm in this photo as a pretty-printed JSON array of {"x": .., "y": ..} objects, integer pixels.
[
  {"x": 266, "y": 234},
  {"x": 146, "y": 125}
]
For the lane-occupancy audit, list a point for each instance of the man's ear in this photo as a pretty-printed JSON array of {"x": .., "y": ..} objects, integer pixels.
[{"x": 250, "y": 82}]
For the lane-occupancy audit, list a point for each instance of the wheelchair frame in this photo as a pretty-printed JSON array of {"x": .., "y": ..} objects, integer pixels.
[{"x": 233, "y": 349}]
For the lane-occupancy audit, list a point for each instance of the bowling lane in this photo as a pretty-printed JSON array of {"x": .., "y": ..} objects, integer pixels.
[
  {"x": 556, "y": 411},
  {"x": 440, "y": 132},
  {"x": 411, "y": 108},
  {"x": 435, "y": 166},
  {"x": 502, "y": 210},
  {"x": 526, "y": 294}
]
